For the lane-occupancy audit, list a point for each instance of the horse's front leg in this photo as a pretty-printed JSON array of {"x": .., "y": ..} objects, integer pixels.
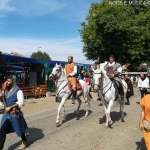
[
  {"x": 110, "y": 122},
  {"x": 59, "y": 108},
  {"x": 79, "y": 104},
  {"x": 64, "y": 114},
  {"x": 105, "y": 108}
]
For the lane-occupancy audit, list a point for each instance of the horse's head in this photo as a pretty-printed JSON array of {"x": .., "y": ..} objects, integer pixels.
[
  {"x": 97, "y": 74},
  {"x": 56, "y": 72}
]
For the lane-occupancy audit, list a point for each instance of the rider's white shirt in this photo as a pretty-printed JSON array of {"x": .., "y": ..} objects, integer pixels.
[{"x": 119, "y": 69}]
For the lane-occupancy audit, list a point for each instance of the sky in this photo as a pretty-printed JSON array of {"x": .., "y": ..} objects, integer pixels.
[{"x": 52, "y": 25}]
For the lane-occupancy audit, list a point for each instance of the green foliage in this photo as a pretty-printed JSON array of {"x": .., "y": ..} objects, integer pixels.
[
  {"x": 40, "y": 55},
  {"x": 121, "y": 30},
  {"x": 142, "y": 68}
]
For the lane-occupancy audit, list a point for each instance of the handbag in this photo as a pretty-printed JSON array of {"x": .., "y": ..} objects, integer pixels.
[{"x": 146, "y": 125}]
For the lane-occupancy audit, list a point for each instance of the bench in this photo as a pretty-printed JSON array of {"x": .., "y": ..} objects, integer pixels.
[{"x": 27, "y": 91}]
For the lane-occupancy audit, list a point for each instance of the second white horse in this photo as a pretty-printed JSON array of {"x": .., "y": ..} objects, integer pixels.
[{"x": 107, "y": 89}]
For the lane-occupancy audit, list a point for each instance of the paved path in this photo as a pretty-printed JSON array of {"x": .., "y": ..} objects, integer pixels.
[{"x": 78, "y": 132}]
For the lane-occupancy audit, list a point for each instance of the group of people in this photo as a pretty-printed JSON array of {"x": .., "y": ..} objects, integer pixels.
[{"x": 13, "y": 99}]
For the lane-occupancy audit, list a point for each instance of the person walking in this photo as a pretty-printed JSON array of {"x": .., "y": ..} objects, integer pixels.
[
  {"x": 13, "y": 119},
  {"x": 130, "y": 91},
  {"x": 143, "y": 84},
  {"x": 145, "y": 117},
  {"x": 88, "y": 82}
]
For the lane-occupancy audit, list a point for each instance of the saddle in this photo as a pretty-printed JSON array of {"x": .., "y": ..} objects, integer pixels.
[{"x": 79, "y": 86}]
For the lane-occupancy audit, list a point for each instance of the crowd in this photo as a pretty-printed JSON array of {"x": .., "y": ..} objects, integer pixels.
[{"x": 143, "y": 83}]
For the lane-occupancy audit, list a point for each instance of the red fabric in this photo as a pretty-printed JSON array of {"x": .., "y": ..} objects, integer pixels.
[
  {"x": 88, "y": 80},
  {"x": 79, "y": 86}
]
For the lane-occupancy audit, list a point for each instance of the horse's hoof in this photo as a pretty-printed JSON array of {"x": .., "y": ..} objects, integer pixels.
[
  {"x": 64, "y": 120},
  {"x": 86, "y": 116},
  {"x": 110, "y": 122},
  {"x": 76, "y": 112},
  {"x": 106, "y": 126},
  {"x": 57, "y": 124},
  {"x": 122, "y": 120}
]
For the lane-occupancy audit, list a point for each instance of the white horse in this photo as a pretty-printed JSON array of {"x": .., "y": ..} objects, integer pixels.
[
  {"x": 63, "y": 92},
  {"x": 107, "y": 89}
]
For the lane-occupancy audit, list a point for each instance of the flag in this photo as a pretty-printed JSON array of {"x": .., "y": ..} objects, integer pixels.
[{"x": 2, "y": 62}]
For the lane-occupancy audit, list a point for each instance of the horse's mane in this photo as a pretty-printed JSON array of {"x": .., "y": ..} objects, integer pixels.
[{"x": 102, "y": 65}]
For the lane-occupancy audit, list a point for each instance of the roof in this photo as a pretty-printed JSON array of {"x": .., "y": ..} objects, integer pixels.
[{"x": 16, "y": 60}]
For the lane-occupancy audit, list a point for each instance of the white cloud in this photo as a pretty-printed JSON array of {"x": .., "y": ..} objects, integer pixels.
[
  {"x": 4, "y": 6},
  {"x": 37, "y": 7},
  {"x": 67, "y": 9},
  {"x": 57, "y": 49}
]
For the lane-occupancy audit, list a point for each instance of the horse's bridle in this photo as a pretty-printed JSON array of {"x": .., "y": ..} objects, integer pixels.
[
  {"x": 55, "y": 75},
  {"x": 103, "y": 87},
  {"x": 99, "y": 79}
]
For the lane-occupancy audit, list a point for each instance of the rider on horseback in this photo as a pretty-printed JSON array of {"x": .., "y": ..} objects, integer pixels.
[
  {"x": 113, "y": 70},
  {"x": 71, "y": 72}
]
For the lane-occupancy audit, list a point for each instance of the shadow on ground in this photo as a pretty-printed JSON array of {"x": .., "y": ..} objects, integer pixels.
[
  {"x": 73, "y": 115},
  {"x": 115, "y": 116},
  {"x": 33, "y": 102},
  {"x": 34, "y": 135},
  {"x": 141, "y": 145}
]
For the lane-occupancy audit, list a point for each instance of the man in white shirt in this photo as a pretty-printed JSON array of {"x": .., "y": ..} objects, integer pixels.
[
  {"x": 12, "y": 119},
  {"x": 113, "y": 70},
  {"x": 143, "y": 84}
]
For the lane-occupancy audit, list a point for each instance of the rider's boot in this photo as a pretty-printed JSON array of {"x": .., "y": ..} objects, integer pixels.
[
  {"x": 73, "y": 96},
  {"x": 121, "y": 92}
]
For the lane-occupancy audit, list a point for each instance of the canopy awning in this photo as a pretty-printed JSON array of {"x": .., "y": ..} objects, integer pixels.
[
  {"x": 9, "y": 58},
  {"x": 17, "y": 60}
]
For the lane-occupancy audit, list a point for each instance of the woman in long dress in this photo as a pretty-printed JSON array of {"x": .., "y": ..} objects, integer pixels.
[{"x": 130, "y": 91}]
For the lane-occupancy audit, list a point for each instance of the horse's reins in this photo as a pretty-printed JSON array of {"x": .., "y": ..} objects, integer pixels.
[{"x": 61, "y": 88}]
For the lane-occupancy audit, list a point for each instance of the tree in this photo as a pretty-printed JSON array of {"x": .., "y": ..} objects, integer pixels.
[
  {"x": 121, "y": 30},
  {"x": 142, "y": 68},
  {"x": 40, "y": 55}
]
